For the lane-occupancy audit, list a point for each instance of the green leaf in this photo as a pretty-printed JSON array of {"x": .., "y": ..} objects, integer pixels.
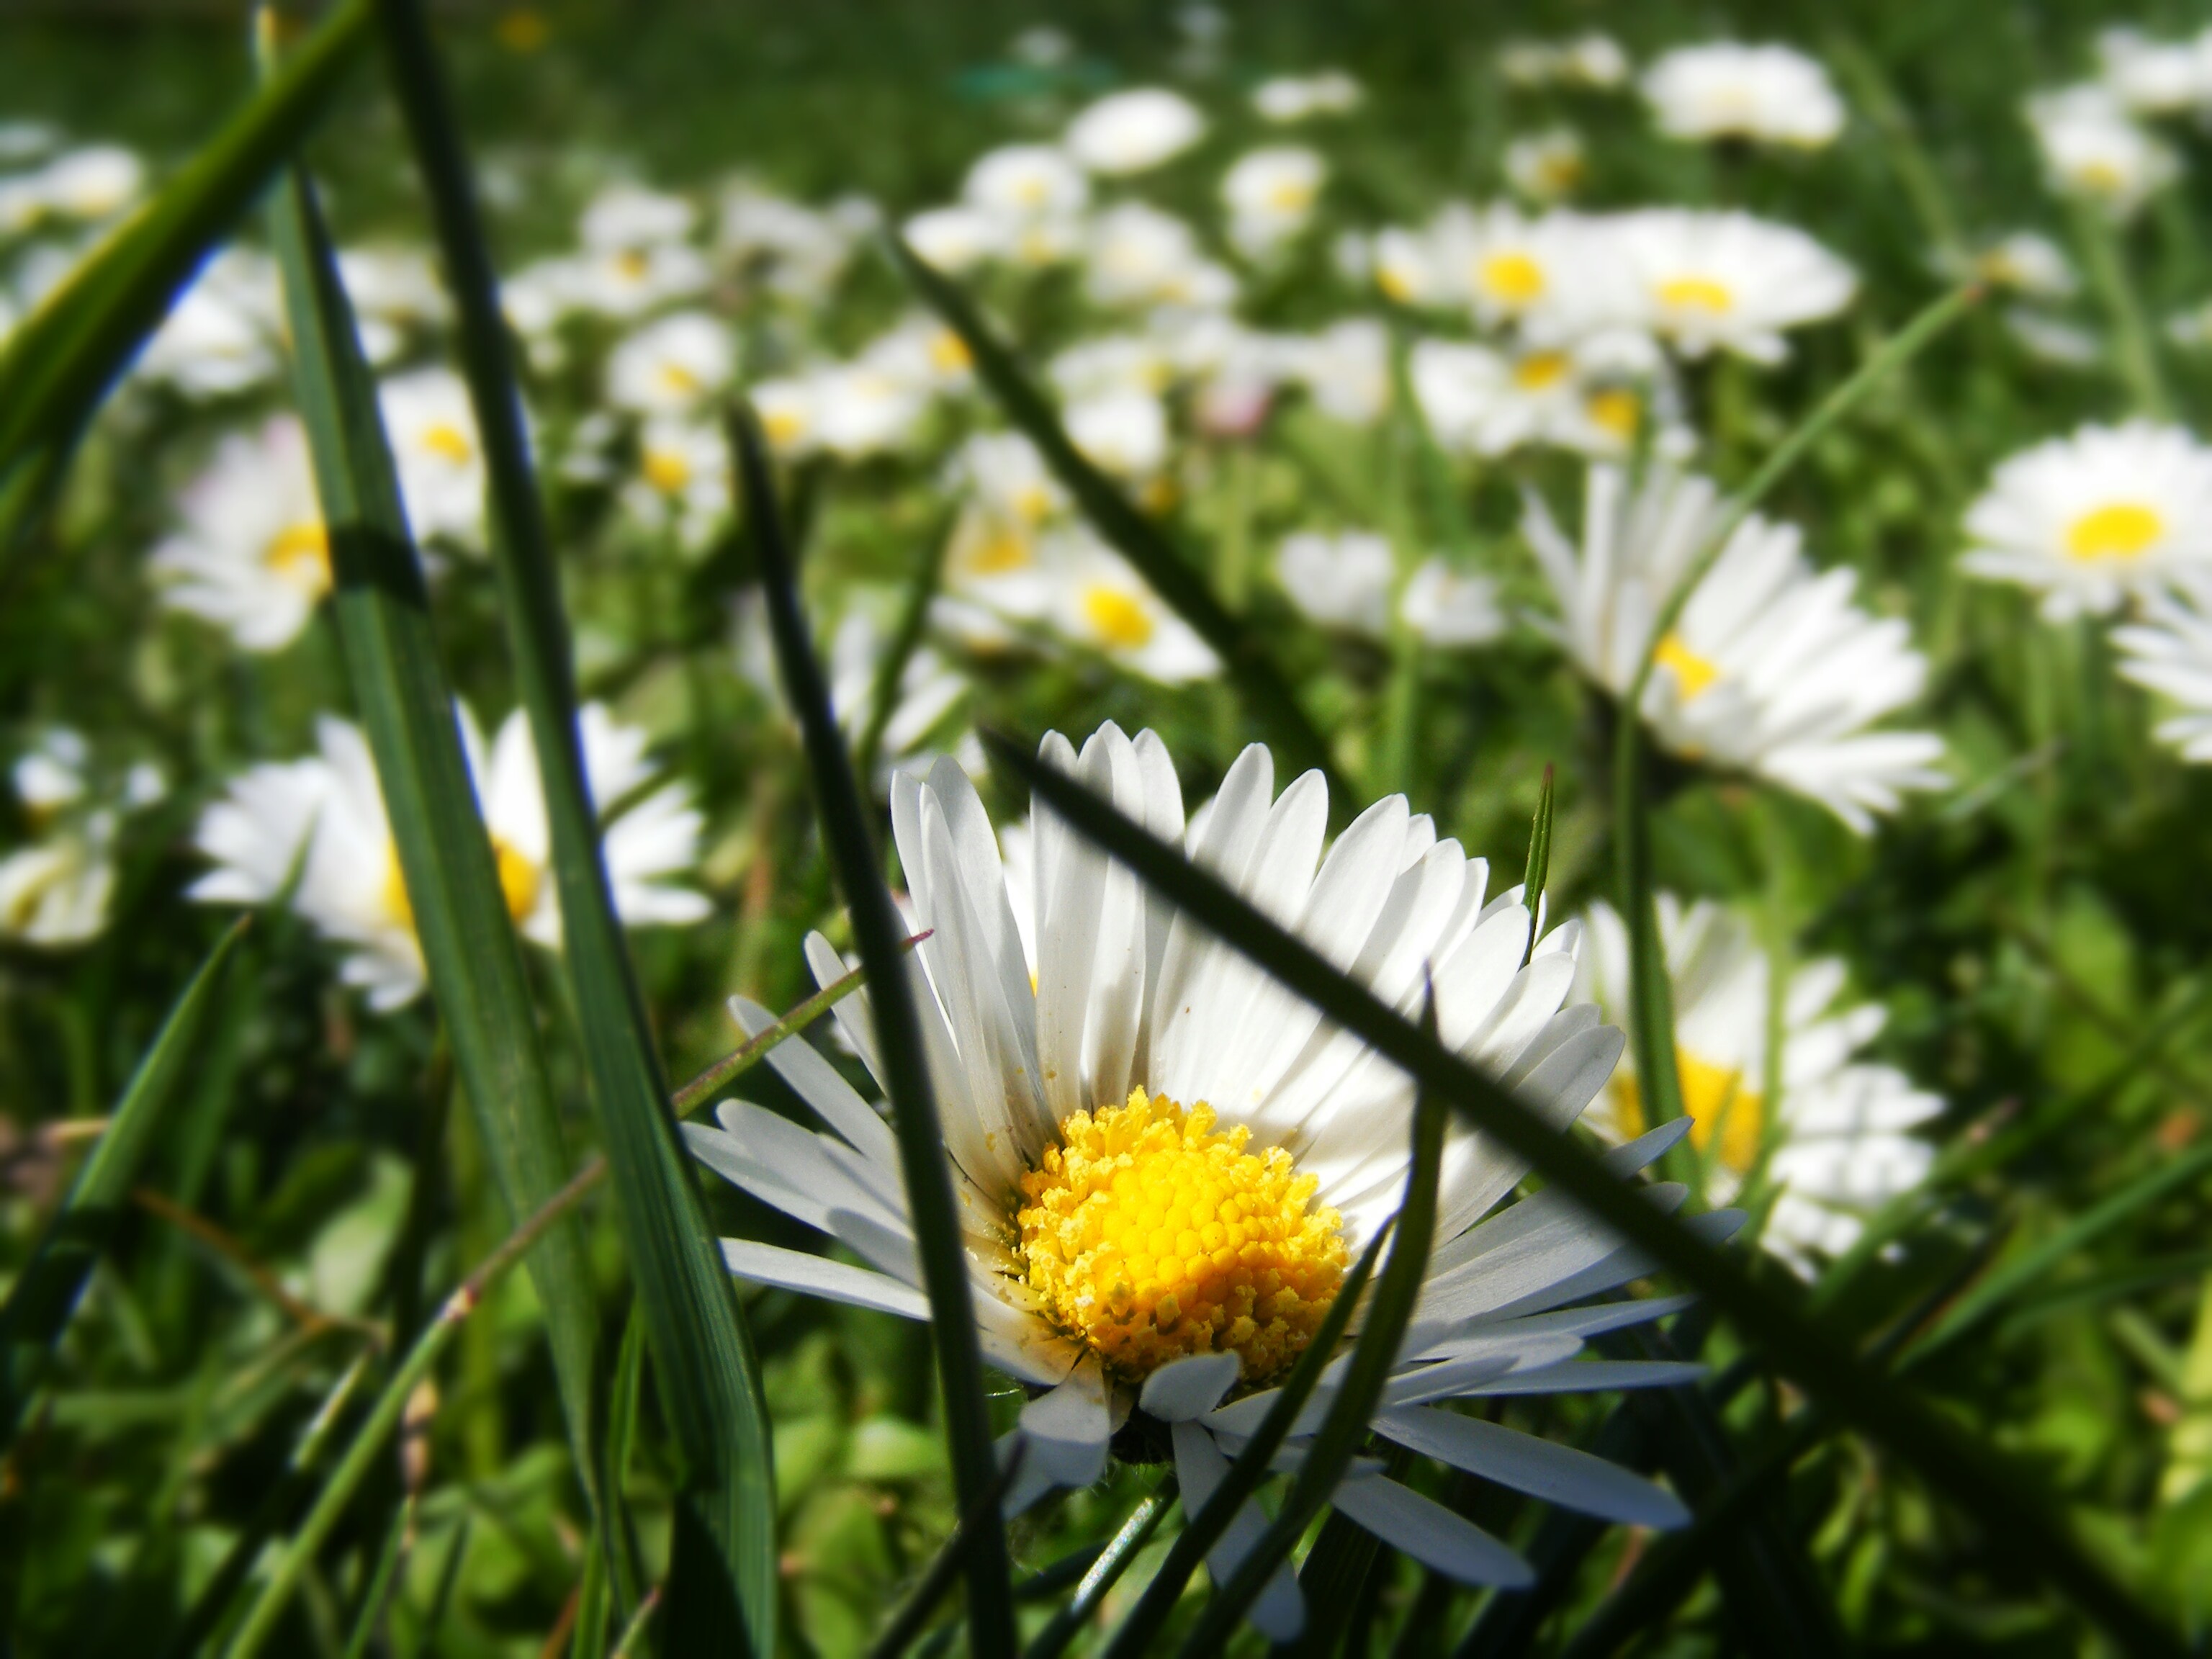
[
  {"x": 2018, "y": 1517},
  {"x": 722, "y": 1584},
  {"x": 1171, "y": 573},
  {"x": 1538, "y": 869},
  {"x": 446, "y": 861},
  {"x": 60, "y": 362},
  {"x": 1344, "y": 1429},
  {"x": 877, "y": 933},
  {"x": 46, "y": 1293}
]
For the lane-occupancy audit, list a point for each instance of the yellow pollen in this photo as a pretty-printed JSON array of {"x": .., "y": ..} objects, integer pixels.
[
  {"x": 1031, "y": 191},
  {"x": 1697, "y": 294},
  {"x": 949, "y": 353},
  {"x": 1118, "y": 618},
  {"x": 1718, "y": 1102},
  {"x": 1149, "y": 1236},
  {"x": 1513, "y": 279},
  {"x": 679, "y": 380},
  {"x": 300, "y": 554},
  {"x": 444, "y": 439},
  {"x": 1693, "y": 674},
  {"x": 994, "y": 551},
  {"x": 517, "y": 884},
  {"x": 783, "y": 427},
  {"x": 2121, "y": 530},
  {"x": 632, "y": 265},
  {"x": 1560, "y": 173},
  {"x": 1290, "y": 196},
  {"x": 2100, "y": 177},
  {"x": 1615, "y": 410},
  {"x": 665, "y": 470},
  {"x": 1396, "y": 283},
  {"x": 1536, "y": 371}
]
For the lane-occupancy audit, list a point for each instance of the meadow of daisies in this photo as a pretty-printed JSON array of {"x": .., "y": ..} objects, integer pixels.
[{"x": 1189, "y": 830}]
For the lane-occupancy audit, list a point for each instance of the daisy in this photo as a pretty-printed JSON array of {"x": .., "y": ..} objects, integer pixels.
[
  {"x": 2155, "y": 77},
  {"x": 1451, "y": 609},
  {"x": 1270, "y": 195},
  {"x": 2092, "y": 149},
  {"x": 1591, "y": 59},
  {"x": 439, "y": 459},
  {"x": 788, "y": 410},
  {"x": 1123, "y": 433},
  {"x": 1164, "y": 1161},
  {"x": 2028, "y": 263},
  {"x": 955, "y": 239},
  {"x": 322, "y": 819},
  {"x": 628, "y": 216},
  {"x": 923, "y": 354},
  {"x": 1035, "y": 195},
  {"x": 1137, "y": 255},
  {"x": 1341, "y": 581},
  {"x": 55, "y": 892},
  {"x": 621, "y": 282},
  {"x": 1134, "y": 131},
  {"x": 1095, "y": 599},
  {"x": 682, "y": 485},
  {"x": 992, "y": 567},
  {"x": 1834, "y": 1143},
  {"x": 251, "y": 556},
  {"x": 395, "y": 294},
  {"x": 857, "y": 410},
  {"x": 222, "y": 337},
  {"x": 1768, "y": 94},
  {"x": 95, "y": 182},
  {"x": 1725, "y": 281},
  {"x": 1545, "y": 166},
  {"x": 1109, "y": 363},
  {"x": 1771, "y": 668},
  {"x": 2088, "y": 519},
  {"x": 1345, "y": 369},
  {"x": 669, "y": 366},
  {"x": 1289, "y": 98},
  {"x": 2168, "y": 650},
  {"x": 1511, "y": 269},
  {"x": 786, "y": 247}
]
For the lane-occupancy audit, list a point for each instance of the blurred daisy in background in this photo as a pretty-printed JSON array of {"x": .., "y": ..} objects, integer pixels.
[
  {"x": 1835, "y": 1142},
  {"x": 252, "y": 556},
  {"x": 1289, "y": 98},
  {"x": 1270, "y": 195},
  {"x": 1035, "y": 196},
  {"x": 1344, "y": 582},
  {"x": 2168, "y": 649},
  {"x": 1095, "y": 600},
  {"x": 2093, "y": 150},
  {"x": 2086, "y": 521},
  {"x": 1124, "y": 433},
  {"x": 1768, "y": 95},
  {"x": 2156, "y": 77},
  {"x": 1136, "y": 255},
  {"x": 223, "y": 334},
  {"x": 1592, "y": 60},
  {"x": 955, "y": 239},
  {"x": 1134, "y": 132},
  {"x": 87, "y": 185},
  {"x": 317, "y": 828},
  {"x": 398, "y": 298},
  {"x": 1706, "y": 280},
  {"x": 1771, "y": 668},
  {"x": 56, "y": 891},
  {"x": 670, "y": 365},
  {"x": 1164, "y": 1161},
  {"x": 438, "y": 454},
  {"x": 788, "y": 249},
  {"x": 1545, "y": 167},
  {"x": 681, "y": 484}
]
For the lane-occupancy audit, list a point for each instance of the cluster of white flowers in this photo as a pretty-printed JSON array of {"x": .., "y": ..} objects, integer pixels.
[{"x": 56, "y": 890}]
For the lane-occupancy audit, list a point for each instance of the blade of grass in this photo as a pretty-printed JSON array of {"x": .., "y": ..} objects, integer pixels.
[
  {"x": 1134, "y": 1533},
  {"x": 1137, "y": 1630},
  {"x": 446, "y": 860},
  {"x": 1344, "y": 1429},
  {"x": 1651, "y": 1015},
  {"x": 46, "y": 1292},
  {"x": 906, "y": 638},
  {"x": 1138, "y": 540},
  {"x": 62, "y": 360},
  {"x": 911, "y": 1614},
  {"x": 878, "y": 932},
  {"x": 1953, "y": 1461},
  {"x": 1538, "y": 869},
  {"x": 722, "y": 1584}
]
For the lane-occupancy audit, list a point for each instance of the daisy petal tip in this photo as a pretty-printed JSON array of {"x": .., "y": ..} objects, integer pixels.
[{"x": 1185, "y": 1389}]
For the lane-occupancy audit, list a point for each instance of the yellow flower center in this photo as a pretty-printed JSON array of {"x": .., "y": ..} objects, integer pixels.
[
  {"x": 448, "y": 442},
  {"x": 666, "y": 470},
  {"x": 1615, "y": 410},
  {"x": 994, "y": 551},
  {"x": 1693, "y": 674},
  {"x": 1513, "y": 279},
  {"x": 949, "y": 353},
  {"x": 1150, "y": 1236},
  {"x": 517, "y": 884},
  {"x": 300, "y": 554},
  {"x": 632, "y": 266},
  {"x": 2100, "y": 178},
  {"x": 1120, "y": 619},
  {"x": 1396, "y": 283},
  {"x": 1290, "y": 196},
  {"x": 1718, "y": 1102},
  {"x": 679, "y": 380},
  {"x": 2123, "y": 530},
  {"x": 1697, "y": 294},
  {"x": 1539, "y": 369},
  {"x": 782, "y": 427}
]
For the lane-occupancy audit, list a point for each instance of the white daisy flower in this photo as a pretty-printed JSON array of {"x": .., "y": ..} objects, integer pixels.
[
  {"x": 1164, "y": 1160},
  {"x": 223, "y": 336},
  {"x": 1769, "y": 94},
  {"x": 859, "y": 410},
  {"x": 668, "y": 366},
  {"x": 55, "y": 892},
  {"x": 1288, "y": 98},
  {"x": 1771, "y": 668},
  {"x": 624, "y": 282},
  {"x": 1270, "y": 195},
  {"x": 1512, "y": 270},
  {"x": 1725, "y": 280},
  {"x": 1137, "y": 255},
  {"x": 790, "y": 249},
  {"x": 1835, "y": 1142},
  {"x": 2155, "y": 77},
  {"x": 251, "y": 556},
  {"x": 437, "y": 452},
  {"x": 324, "y": 817},
  {"x": 1345, "y": 369},
  {"x": 1035, "y": 194},
  {"x": 1095, "y": 599},
  {"x": 1451, "y": 609},
  {"x": 955, "y": 239},
  {"x": 630, "y": 215},
  {"x": 1134, "y": 131},
  {"x": 789, "y": 408},
  {"x": 1109, "y": 363},
  {"x": 52, "y": 774},
  {"x": 2027, "y": 262},
  {"x": 923, "y": 354},
  {"x": 682, "y": 486},
  {"x": 2093, "y": 149},
  {"x": 1008, "y": 497},
  {"x": 1123, "y": 433},
  {"x": 2088, "y": 519},
  {"x": 396, "y": 293},
  {"x": 1545, "y": 166},
  {"x": 1340, "y": 581},
  {"x": 1591, "y": 59},
  {"x": 929, "y": 693},
  {"x": 97, "y": 181},
  {"x": 2168, "y": 649}
]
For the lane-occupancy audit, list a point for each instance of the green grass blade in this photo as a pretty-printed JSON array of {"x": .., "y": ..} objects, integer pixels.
[
  {"x": 1146, "y": 547},
  {"x": 1248, "y": 1468},
  {"x": 1344, "y": 1429},
  {"x": 722, "y": 1586},
  {"x": 300, "y": 1549},
  {"x": 877, "y": 933},
  {"x": 469, "y": 945},
  {"x": 1134, "y": 1533},
  {"x": 46, "y": 1293},
  {"x": 1953, "y": 1461},
  {"x": 906, "y": 639},
  {"x": 1538, "y": 869},
  {"x": 62, "y": 359}
]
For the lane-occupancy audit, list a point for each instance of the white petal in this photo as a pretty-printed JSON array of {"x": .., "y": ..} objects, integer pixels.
[
  {"x": 1431, "y": 1534},
  {"x": 817, "y": 1275},
  {"x": 1280, "y": 1613},
  {"x": 818, "y": 1083},
  {"x": 1067, "y": 1428},
  {"x": 1559, "y": 1474},
  {"x": 1185, "y": 1388}
]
